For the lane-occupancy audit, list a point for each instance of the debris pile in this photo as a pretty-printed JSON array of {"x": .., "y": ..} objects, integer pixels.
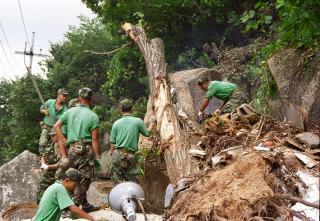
[{"x": 252, "y": 168}]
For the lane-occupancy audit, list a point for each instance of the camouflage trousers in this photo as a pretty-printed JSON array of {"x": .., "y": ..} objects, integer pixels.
[
  {"x": 82, "y": 160},
  {"x": 46, "y": 180},
  {"x": 238, "y": 97},
  {"x": 51, "y": 156},
  {"x": 44, "y": 136},
  {"x": 123, "y": 166}
]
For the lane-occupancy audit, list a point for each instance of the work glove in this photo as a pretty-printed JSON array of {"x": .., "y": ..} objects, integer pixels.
[
  {"x": 153, "y": 119},
  {"x": 44, "y": 167},
  {"x": 201, "y": 117},
  {"x": 46, "y": 112},
  {"x": 64, "y": 162},
  {"x": 97, "y": 164}
]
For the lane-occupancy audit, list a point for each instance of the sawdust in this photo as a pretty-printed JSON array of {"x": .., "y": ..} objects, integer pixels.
[{"x": 233, "y": 192}]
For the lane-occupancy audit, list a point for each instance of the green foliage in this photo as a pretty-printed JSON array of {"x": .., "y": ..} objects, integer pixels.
[
  {"x": 145, "y": 155},
  {"x": 292, "y": 21}
]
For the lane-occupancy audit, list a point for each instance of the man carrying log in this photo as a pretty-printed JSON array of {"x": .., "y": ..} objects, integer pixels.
[
  {"x": 52, "y": 109},
  {"x": 124, "y": 139}
]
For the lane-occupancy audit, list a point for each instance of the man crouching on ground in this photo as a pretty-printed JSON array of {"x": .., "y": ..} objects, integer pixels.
[{"x": 57, "y": 198}]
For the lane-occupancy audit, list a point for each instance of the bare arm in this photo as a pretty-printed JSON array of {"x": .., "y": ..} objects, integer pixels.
[
  {"x": 95, "y": 143},
  {"x": 62, "y": 138},
  {"x": 112, "y": 148},
  {"x": 204, "y": 104},
  {"x": 62, "y": 149},
  {"x": 82, "y": 214},
  {"x": 151, "y": 124},
  {"x": 52, "y": 166}
]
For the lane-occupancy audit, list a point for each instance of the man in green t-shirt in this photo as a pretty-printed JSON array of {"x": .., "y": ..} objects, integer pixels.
[
  {"x": 52, "y": 109},
  {"x": 57, "y": 198},
  {"x": 219, "y": 89},
  {"x": 124, "y": 139},
  {"x": 82, "y": 136}
]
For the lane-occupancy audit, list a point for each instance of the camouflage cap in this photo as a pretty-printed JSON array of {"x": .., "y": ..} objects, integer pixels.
[
  {"x": 73, "y": 174},
  {"x": 85, "y": 93},
  {"x": 126, "y": 103},
  {"x": 73, "y": 102},
  {"x": 200, "y": 81},
  {"x": 62, "y": 91}
]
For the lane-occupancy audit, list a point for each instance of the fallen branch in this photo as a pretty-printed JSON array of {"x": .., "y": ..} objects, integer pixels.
[
  {"x": 108, "y": 52},
  {"x": 297, "y": 200}
]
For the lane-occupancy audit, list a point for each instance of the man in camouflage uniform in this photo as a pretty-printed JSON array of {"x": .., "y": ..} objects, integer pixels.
[
  {"x": 49, "y": 157},
  {"x": 124, "y": 139},
  {"x": 82, "y": 137},
  {"x": 63, "y": 167},
  {"x": 52, "y": 109}
]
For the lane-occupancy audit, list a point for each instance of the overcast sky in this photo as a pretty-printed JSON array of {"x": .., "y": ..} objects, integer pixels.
[{"x": 49, "y": 19}]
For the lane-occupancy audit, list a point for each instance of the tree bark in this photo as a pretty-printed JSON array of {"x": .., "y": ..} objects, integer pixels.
[{"x": 173, "y": 139}]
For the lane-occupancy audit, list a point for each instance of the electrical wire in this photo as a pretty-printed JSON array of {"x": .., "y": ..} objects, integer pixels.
[
  {"x": 9, "y": 46},
  {"x": 6, "y": 56},
  {"x": 23, "y": 22}
]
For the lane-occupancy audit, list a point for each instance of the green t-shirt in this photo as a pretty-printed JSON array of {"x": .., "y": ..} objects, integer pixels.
[
  {"x": 221, "y": 90},
  {"x": 54, "y": 114},
  {"x": 125, "y": 132},
  {"x": 80, "y": 121},
  {"x": 55, "y": 199}
]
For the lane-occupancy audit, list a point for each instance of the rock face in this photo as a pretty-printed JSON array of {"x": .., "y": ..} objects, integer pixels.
[
  {"x": 98, "y": 192},
  {"x": 297, "y": 74},
  {"x": 19, "y": 180},
  {"x": 106, "y": 162}
]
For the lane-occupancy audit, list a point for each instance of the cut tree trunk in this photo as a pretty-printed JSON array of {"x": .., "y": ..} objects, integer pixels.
[{"x": 173, "y": 139}]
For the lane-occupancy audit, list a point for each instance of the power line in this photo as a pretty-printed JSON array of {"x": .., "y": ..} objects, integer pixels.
[
  {"x": 2, "y": 67},
  {"x": 6, "y": 56},
  {"x": 9, "y": 46},
  {"x": 24, "y": 25}
]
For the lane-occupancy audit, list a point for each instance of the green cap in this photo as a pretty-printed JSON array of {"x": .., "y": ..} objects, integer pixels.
[
  {"x": 73, "y": 102},
  {"x": 62, "y": 91},
  {"x": 126, "y": 103},
  {"x": 73, "y": 174},
  {"x": 200, "y": 81},
  {"x": 85, "y": 93}
]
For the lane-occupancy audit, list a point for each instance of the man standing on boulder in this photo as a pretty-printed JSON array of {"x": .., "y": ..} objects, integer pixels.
[
  {"x": 124, "y": 139},
  {"x": 52, "y": 109},
  {"x": 82, "y": 136},
  {"x": 57, "y": 197},
  {"x": 222, "y": 90}
]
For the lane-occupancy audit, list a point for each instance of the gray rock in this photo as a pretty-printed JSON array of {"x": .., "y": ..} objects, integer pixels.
[
  {"x": 19, "y": 180},
  {"x": 298, "y": 80},
  {"x": 309, "y": 138},
  {"x": 106, "y": 162},
  {"x": 98, "y": 191}
]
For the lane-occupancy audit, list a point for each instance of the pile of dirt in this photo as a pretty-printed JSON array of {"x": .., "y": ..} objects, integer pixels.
[{"x": 249, "y": 170}]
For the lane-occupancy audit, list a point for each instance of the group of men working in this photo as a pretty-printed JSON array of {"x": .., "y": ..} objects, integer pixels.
[
  {"x": 69, "y": 152},
  {"x": 69, "y": 149}
]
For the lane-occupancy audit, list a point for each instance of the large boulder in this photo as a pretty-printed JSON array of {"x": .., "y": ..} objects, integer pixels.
[
  {"x": 297, "y": 74},
  {"x": 98, "y": 191},
  {"x": 19, "y": 180},
  {"x": 106, "y": 163}
]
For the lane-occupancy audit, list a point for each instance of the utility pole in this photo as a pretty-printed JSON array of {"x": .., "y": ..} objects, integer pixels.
[{"x": 29, "y": 68}]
